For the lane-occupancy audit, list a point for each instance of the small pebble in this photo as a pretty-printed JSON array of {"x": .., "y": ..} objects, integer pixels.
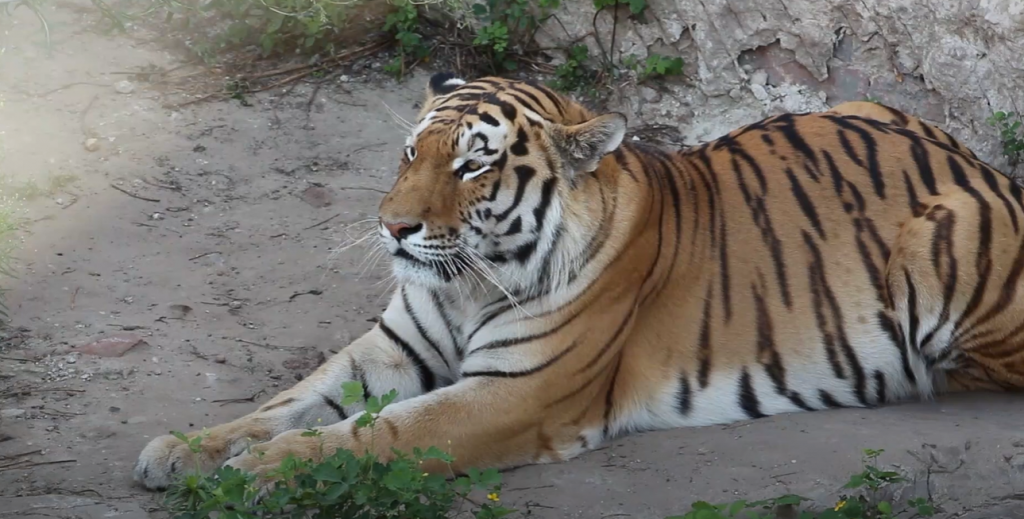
[
  {"x": 124, "y": 87},
  {"x": 92, "y": 145},
  {"x": 114, "y": 409},
  {"x": 219, "y": 359},
  {"x": 12, "y": 413},
  {"x": 235, "y": 305}
]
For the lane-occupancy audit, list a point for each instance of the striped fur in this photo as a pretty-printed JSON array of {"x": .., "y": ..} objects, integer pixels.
[{"x": 560, "y": 287}]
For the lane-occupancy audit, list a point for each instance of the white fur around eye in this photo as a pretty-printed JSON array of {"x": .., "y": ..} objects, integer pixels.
[
  {"x": 473, "y": 174},
  {"x": 410, "y": 153}
]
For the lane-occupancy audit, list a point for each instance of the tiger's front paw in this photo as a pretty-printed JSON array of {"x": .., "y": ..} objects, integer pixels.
[
  {"x": 165, "y": 458},
  {"x": 162, "y": 460},
  {"x": 262, "y": 458}
]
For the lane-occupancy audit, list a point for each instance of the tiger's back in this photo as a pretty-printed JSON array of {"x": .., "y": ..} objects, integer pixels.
[{"x": 783, "y": 300}]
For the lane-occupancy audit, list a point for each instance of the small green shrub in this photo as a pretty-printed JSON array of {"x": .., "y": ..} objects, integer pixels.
[
  {"x": 339, "y": 484},
  {"x": 635, "y": 6},
  {"x": 870, "y": 481},
  {"x": 403, "y": 23},
  {"x": 573, "y": 75},
  {"x": 1010, "y": 135},
  {"x": 660, "y": 66},
  {"x": 509, "y": 26}
]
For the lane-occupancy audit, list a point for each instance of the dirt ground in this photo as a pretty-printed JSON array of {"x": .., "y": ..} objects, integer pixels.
[{"x": 208, "y": 233}]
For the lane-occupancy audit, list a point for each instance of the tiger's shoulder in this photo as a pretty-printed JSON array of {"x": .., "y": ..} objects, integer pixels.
[{"x": 887, "y": 114}]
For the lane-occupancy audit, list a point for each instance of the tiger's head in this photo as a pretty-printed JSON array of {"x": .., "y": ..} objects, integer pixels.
[{"x": 486, "y": 180}]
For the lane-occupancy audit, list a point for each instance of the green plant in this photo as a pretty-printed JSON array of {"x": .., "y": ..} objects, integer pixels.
[
  {"x": 871, "y": 480},
  {"x": 635, "y": 6},
  {"x": 1010, "y": 135},
  {"x": 573, "y": 75},
  {"x": 658, "y": 65},
  {"x": 339, "y": 485},
  {"x": 508, "y": 27},
  {"x": 33, "y": 5},
  {"x": 403, "y": 24}
]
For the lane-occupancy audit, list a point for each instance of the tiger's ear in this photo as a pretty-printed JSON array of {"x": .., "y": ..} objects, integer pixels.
[
  {"x": 442, "y": 83},
  {"x": 582, "y": 146}
]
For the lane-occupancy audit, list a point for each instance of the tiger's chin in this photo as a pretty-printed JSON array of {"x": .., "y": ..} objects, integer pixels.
[{"x": 416, "y": 273}]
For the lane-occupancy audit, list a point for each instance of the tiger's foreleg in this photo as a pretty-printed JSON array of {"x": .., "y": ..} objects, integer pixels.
[
  {"x": 954, "y": 278},
  {"x": 481, "y": 422},
  {"x": 385, "y": 358}
]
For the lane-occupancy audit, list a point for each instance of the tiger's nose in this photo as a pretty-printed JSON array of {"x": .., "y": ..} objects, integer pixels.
[{"x": 401, "y": 230}]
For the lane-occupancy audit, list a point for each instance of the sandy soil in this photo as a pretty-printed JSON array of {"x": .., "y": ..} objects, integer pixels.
[{"x": 227, "y": 275}]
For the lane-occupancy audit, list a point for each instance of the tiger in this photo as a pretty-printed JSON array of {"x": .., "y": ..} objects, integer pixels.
[{"x": 561, "y": 285}]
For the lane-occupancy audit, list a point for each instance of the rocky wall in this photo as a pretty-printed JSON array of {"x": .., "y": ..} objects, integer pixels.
[{"x": 951, "y": 62}]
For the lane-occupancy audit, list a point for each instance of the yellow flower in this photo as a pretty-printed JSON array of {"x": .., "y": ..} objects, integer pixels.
[
  {"x": 839, "y": 505},
  {"x": 493, "y": 496}
]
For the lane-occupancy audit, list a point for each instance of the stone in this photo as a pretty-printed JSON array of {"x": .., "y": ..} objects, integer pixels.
[
  {"x": 111, "y": 346},
  {"x": 124, "y": 87},
  {"x": 317, "y": 196},
  {"x": 759, "y": 92},
  {"x": 12, "y": 413},
  {"x": 759, "y": 77},
  {"x": 91, "y": 144}
]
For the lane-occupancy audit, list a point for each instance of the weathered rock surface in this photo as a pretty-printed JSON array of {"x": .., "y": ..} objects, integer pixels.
[{"x": 950, "y": 62}]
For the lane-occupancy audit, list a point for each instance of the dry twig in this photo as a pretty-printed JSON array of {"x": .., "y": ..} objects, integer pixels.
[{"x": 133, "y": 195}]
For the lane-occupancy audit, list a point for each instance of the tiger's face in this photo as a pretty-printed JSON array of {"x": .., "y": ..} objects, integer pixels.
[{"x": 483, "y": 180}]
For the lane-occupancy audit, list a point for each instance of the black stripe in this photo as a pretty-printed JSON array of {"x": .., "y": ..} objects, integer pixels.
[
  {"x": 1006, "y": 296},
  {"x": 723, "y": 241},
  {"x": 830, "y": 319},
  {"x": 942, "y": 247},
  {"x": 796, "y": 140},
  {"x": 880, "y": 397},
  {"x": 684, "y": 395},
  {"x": 704, "y": 341},
  {"x": 805, "y": 203},
  {"x": 983, "y": 260},
  {"x": 423, "y": 371},
  {"x": 488, "y": 119},
  {"x": 526, "y": 372},
  {"x": 748, "y": 398},
  {"x": 453, "y": 329},
  {"x": 768, "y": 354},
  {"x": 915, "y": 320},
  {"x": 828, "y": 400},
  {"x": 551, "y": 96},
  {"x": 762, "y": 219},
  {"x": 419, "y": 328},
  {"x": 523, "y": 175},
  {"x": 335, "y": 406},
  {"x": 915, "y": 203},
  {"x": 871, "y": 150},
  {"x": 609, "y": 399},
  {"x": 518, "y": 147},
  {"x": 990, "y": 180},
  {"x": 900, "y": 116},
  {"x": 892, "y": 330},
  {"x": 924, "y": 165}
]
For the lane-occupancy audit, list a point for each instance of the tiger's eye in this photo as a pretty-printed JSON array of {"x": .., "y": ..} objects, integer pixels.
[{"x": 473, "y": 165}]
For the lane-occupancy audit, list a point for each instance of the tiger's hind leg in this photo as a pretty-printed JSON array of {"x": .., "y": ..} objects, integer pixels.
[{"x": 954, "y": 283}]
